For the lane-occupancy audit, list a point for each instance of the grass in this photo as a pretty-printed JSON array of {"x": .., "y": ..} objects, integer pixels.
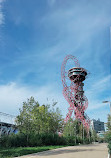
[{"x": 14, "y": 152}]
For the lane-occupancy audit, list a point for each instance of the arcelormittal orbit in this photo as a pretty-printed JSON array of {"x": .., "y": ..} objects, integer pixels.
[{"x": 73, "y": 92}]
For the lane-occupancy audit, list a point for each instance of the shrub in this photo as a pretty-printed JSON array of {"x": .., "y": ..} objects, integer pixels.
[
  {"x": 13, "y": 140},
  {"x": 70, "y": 140},
  {"x": 44, "y": 139},
  {"x": 20, "y": 140},
  {"x": 108, "y": 139}
]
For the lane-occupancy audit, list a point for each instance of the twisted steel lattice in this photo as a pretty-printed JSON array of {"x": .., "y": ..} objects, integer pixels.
[{"x": 72, "y": 93}]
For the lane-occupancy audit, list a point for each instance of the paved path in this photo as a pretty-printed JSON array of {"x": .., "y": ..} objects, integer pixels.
[{"x": 82, "y": 151}]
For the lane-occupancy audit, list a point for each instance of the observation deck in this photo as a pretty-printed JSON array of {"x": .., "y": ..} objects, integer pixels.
[{"x": 77, "y": 74}]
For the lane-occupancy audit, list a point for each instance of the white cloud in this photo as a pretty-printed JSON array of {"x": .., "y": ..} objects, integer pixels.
[
  {"x": 97, "y": 89},
  {"x": 1, "y": 18},
  {"x": 76, "y": 27},
  {"x": 51, "y": 2},
  {"x": 98, "y": 86},
  {"x": 95, "y": 104},
  {"x": 1, "y": 13},
  {"x": 102, "y": 83},
  {"x": 12, "y": 96},
  {"x": 77, "y": 19}
]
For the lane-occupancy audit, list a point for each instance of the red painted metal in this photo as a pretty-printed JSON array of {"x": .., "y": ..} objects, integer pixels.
[{"x": 77, "y": 103}]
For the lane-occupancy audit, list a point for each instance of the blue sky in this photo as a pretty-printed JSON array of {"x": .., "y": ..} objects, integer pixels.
[{"x": 35, "y": 36}]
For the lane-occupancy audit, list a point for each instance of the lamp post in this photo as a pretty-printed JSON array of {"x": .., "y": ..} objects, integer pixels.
[
  {"x": 110, "y": 107},
  {"x": 109, "y": 104},
  {"x": 83, "y": 134},
  {"x": 75, "y": 133}
]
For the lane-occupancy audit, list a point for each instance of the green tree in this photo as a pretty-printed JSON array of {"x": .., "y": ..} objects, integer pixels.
[
  {"x": 24, "y": 120},
  {"x": 76, "y": 129},
  {"x": 108, "y": 133},
  {"x": 34, "y": 118},
  {"x": 72, "y": 128},
  {"x": 93, "y": 135},
  {"x": 109, "y": 123}
]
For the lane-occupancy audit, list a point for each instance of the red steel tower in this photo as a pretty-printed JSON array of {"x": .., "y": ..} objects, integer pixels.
[{"x": 73, "y": 92}]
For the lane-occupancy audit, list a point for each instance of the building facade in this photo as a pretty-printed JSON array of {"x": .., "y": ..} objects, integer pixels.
[
  {"x": 97, "y": 125},
  {"x": 6, "y": 129},
  {"x": 7, "y": 124}
]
